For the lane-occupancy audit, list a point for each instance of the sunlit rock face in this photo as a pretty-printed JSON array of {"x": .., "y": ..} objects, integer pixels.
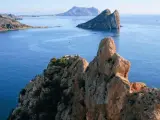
[
  {"x": 70, "y": 88},
  {"x": 104, "y": 21},
  {"x": 106, "y": 83}
]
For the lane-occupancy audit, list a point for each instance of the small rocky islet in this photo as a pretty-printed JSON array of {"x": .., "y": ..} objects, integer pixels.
[
  {"x": 70, "y": 88},
  {"x": 104, "y": 21}
]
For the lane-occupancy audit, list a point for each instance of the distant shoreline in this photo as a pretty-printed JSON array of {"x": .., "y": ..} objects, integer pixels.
[{"x": 30, "y": 27}]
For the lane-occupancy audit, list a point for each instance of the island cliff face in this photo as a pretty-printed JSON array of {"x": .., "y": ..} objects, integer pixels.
[
  {"x": 80, "y": 11},
  {"x": 104, "y": 21},
  {"x": 70, "y": 88}
]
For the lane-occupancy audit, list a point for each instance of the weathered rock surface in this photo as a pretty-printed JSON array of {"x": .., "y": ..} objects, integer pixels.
[
  {"x": 72, "y": 89},
  {"x": 80, "y": 11},
  {"x": 142, "y": 105},
  {"x": 104, "y": 21}
]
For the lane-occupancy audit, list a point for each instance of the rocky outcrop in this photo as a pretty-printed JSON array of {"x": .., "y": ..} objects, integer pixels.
[
  {"x": 55, "y": 94},
  {"x": 80, "y": 11},
  {"x": 104, "y": 21},
  {"x": 106, "y": 83},
  {"x": 142, "y": 105},
  {"x": 10, "y": 24},
  {"x": 72, "y": 89}
]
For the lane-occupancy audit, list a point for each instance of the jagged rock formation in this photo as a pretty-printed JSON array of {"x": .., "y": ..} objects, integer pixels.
[
  {"x": 104, "y": 21},
  {"x": 56, "y": 93},
  {"x": 80, "y": 11},
  {"x": 72, "y": 89}
]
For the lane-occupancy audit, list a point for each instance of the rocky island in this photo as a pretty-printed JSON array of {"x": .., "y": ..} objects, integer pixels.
[
  {"x": 8, "y": 24},
  {"x": 80, "y": 11},
  {"x": 104, "y": 21},
  {"x": 70, "y": 88},
  {"x": 11, "y": 16}
]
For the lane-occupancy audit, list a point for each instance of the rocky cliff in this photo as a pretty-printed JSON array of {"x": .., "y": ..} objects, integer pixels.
[
  {"x": 104, "y": 21},
  {"x": 80, "y": 11},
  {"x": 70, "y": 88}
]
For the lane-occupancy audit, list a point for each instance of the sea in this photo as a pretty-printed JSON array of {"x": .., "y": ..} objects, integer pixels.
[{"x": 25, "y": 53}]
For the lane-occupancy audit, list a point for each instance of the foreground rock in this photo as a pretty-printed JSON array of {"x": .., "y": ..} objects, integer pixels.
[
  {"x": 7, "y": 24},
  {"x": 72, "y": 89},
  {"x": 104, "y": 21},
  {"x": 80, "y": 11}
]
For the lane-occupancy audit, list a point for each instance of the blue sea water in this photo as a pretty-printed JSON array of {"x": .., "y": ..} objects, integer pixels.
[{"x": 25, "y": 53}]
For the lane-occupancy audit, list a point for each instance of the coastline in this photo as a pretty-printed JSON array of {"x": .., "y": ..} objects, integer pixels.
[{"x": 24, "y": 28}]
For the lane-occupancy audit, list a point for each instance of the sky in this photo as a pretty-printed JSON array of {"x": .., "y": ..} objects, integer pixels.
[{"x": 58, "y": 6}]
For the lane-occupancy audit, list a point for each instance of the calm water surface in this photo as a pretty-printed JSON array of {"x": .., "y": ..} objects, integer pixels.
[{"x": 25, "y": 53}]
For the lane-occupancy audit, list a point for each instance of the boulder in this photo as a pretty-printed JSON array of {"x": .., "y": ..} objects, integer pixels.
[{"x": 137, "y": 86}]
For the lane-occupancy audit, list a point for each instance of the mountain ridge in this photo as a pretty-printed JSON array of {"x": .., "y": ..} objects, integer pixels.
[{"x": 80, "y": 11}]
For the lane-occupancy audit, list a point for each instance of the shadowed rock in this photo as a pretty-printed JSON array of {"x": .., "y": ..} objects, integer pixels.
[
  {"x": 104, "y": 21},
  {"x": 72, "y": 89},
  {"x": 142, "y": 105}
]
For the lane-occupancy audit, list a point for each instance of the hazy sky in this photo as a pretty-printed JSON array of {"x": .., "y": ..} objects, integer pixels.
[{"x": 56, "y": 6}]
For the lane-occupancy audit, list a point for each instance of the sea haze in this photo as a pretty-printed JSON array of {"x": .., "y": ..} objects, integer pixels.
[{"x": 25, "y": 53}]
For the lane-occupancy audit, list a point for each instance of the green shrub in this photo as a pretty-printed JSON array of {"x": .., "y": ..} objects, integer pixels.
[{"x": 59, "y": 62}]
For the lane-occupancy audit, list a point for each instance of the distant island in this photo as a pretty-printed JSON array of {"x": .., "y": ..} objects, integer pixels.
[
  {"x": 104, "y": 21},
  {"x": 31, "y": 15},
  {"x": 80, "y": 11},
  {"x": 9, "y": 24},
  {"x": 11, "y": 16}
]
